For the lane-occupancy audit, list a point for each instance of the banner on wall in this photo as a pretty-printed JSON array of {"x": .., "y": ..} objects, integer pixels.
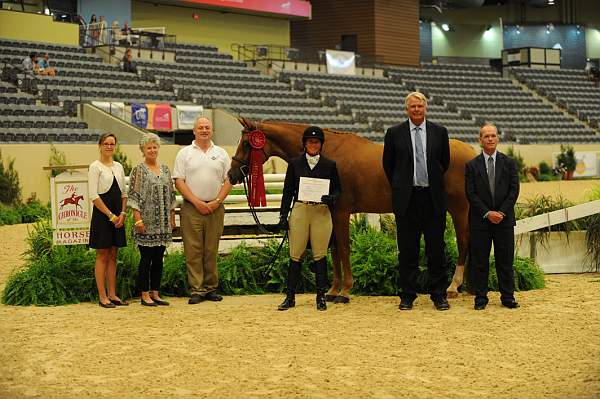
[
  {"x": 70, "y": 208},
  {"x": 187, "y": 114},
  {"x": 139, "y": 115},
  {"x": 159, "y": 117},
  {"x": 340, "y": 62}
]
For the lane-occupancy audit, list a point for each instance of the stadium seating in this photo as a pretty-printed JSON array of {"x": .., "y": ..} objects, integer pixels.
[
  {"x": 479, "y": 92},
  {"x": 216, "y": 80},
  {"x": 571, "y": 88}
]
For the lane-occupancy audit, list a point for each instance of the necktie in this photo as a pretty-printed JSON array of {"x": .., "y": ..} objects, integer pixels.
[
  {"x": 420, "y": 166},
  {"x": 491, "y": 175}
]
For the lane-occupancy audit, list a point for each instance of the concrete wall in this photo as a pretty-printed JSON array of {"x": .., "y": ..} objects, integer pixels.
[
  {"x": 221, "y": 29},
  {"x": 467, "y": 40},
  {"x": 112, "y": 10},
  {"x": 13, "y": 26},
  {"x": 592, "y": 35}
]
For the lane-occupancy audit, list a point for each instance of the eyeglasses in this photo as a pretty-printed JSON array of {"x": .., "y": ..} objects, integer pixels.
[{"x": 108, "y": 144}]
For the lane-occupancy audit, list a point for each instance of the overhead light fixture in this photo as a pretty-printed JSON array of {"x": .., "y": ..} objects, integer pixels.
[
  {"x": 518, "y": 29},
  {"x": 578, "y": 29},
  {"x": 550, "y": 2},
  {"x": 445, "y": 27}
]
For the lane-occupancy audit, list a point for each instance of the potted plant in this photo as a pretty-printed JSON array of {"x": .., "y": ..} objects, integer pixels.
[{"x": 566, "y": 159}]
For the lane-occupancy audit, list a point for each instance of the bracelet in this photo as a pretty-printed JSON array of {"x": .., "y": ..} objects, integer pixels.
[
  {"x": 139, "y": 222},
  {"x": 113, "y": 218},
  {"x": 122, "y": 213},
  {"x": 218, "y": 200}
]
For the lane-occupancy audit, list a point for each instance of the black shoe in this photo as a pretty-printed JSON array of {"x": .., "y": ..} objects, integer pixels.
[
  {"x": 213, "y": 296},
  {"x": 288, "y": 302},
  {"x": 195, "y": 298},
  {"x": 160, "y": 302},
  {"x": 109, "y": 305},
  {"x": 321, "y": 303},
  {"x": 116, "y": 302},
  {"x": 441, "y": 304},
  {"x": 405, "y": 304},
  {"x": 144, "y": 303},
  {"x": 511, "y": 304},
  {"x": 479, "y": 306}
]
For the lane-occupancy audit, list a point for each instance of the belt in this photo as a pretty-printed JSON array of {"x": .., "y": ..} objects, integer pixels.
[
  {"x": 310, "y": 202},
  {"x": 420, "y": 188}
]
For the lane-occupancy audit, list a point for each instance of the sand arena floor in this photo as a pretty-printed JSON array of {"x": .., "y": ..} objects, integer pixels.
[{"x": 244, "y": 348}]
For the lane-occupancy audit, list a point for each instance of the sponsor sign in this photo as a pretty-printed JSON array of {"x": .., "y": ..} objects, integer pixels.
[
  {"x": 159, "y": 117},
  {"x": 295, "y": 8},
  {"x": 71, "y": 207},
  {"x": 186, "y": 115},
  {"x": 340, "y": 62},
  {"x": 139, "y": 115}
]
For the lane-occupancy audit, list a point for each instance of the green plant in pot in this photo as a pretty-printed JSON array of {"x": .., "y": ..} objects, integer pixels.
[{"x": 567, "y": 160}]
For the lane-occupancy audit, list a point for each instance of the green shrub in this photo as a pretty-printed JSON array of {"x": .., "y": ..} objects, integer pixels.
[
  {"x": 518, "y": 158},
  {"x": 9, "y": 215},
  {"x": 174, "y": 278},
  {"x": 57, "y": 158},
  {"x": 33, "y": 211},
  {"x": 10, "y": 187},
  {"x": 544, "y": 168},
  {"x": 122, "y": 158}
]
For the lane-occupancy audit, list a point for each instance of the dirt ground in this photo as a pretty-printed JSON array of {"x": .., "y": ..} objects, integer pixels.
[{"x": 244, "y": 348}]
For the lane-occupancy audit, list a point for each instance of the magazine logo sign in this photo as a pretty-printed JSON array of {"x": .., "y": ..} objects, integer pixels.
[{"x": 70, "y": 208}]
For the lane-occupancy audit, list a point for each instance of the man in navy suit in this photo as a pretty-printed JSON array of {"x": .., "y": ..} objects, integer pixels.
[
  {"x": 416, "y": 154},
  {"x": 492, "y": 187}
]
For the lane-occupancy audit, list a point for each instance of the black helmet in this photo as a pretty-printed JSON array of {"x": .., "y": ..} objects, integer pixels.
[{"x": 313, "y": 132}]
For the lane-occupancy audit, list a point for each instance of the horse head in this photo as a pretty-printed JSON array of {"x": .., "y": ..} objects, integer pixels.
[{"x": 282, "y": 140}]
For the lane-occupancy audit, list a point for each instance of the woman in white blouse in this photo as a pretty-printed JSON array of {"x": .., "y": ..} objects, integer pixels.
[{"x": 106, "y": 180}]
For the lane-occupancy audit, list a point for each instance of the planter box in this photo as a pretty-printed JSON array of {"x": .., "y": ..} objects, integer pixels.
[{"x": 558, "y": 254}]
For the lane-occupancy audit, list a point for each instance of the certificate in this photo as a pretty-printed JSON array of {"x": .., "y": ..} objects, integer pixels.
[{"x": 312, "y": 189}]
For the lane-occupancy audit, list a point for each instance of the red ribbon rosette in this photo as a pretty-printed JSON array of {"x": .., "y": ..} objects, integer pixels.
[{"x": 256, "y": 180}]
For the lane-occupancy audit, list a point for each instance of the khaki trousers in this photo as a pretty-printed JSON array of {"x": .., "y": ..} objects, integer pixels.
[
  {"x": 201, "y": 235},
  {"x": 313, "y": 222}
]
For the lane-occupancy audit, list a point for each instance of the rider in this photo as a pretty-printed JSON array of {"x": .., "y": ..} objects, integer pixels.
[{"x": 309, "y": 219}]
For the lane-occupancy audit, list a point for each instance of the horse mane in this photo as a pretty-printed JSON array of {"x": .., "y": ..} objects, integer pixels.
[{"x": 249, "y": 124}]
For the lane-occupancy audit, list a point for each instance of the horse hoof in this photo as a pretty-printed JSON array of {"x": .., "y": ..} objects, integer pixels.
[
  {"x": 330, "y": 298},
  {"x": 452, "y": 294},
  {"x": 341, "y": 299}
]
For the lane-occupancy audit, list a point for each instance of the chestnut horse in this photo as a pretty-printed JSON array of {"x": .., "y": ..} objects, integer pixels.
[{"x": 364, "y": 188}]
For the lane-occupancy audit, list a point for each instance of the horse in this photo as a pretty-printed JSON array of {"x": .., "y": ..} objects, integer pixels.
[
  {"x": 365, "y": 188},
  {"x": 73, "y": 199}
]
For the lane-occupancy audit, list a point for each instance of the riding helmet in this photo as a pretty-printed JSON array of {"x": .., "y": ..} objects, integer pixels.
[{"x": 313, "y": 132}]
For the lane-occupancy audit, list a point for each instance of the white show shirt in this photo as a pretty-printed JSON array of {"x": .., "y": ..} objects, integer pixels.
[
  {"x": 100, "y": 178},
  {"x": 203, "y": 172},
  {"x": 412, "y": 127},
  {"x": 312, "y": 160}
]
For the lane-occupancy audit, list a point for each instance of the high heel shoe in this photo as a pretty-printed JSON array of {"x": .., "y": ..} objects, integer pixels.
[
  {"x": 144, "y": 303},
  {"x": 117, "y": 302}
]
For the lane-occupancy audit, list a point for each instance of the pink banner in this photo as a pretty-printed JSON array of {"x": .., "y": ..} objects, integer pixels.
[
  {"x": 159, "y": 116},
  {"x": 294, "y": 8}
]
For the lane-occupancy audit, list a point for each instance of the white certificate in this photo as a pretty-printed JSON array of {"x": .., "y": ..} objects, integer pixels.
[{"x": 312, "y": 189}]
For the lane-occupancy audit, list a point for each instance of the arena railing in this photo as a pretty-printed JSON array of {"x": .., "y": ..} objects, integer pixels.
[{"x": 268, "y": 54}]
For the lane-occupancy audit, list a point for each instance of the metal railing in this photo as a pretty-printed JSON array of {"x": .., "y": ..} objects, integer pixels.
[{"x": 269, "y": 53}]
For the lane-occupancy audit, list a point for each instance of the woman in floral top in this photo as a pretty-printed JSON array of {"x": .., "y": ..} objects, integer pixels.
[{"x": 152, "y": 199}]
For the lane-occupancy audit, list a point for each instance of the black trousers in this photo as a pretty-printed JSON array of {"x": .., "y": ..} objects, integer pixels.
[
  {"x": 150, "y": 268},
  {"x": 421, "y": 218},
  {"x": 479, "y": 261}
]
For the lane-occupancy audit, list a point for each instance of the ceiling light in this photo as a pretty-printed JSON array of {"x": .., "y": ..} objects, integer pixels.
[{"x": 445, "y": 27}]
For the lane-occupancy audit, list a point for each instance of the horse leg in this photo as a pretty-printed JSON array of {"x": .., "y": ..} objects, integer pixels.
[
  {"x": 342, "y": 240},
  {"x": 337, "y": 273},
  {"x": 460, "y": 218}
]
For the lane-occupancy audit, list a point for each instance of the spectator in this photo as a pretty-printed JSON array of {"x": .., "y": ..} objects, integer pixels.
[
  {"x": 127, "y": 33},
  {"x": 115, "y": 32},
  {"x": 44, "y": 66},
  {"x": 103, "y": 30},
  {"x": 30, "y": 64},
  {"x": 93, "y": 30},
  {"x": 128, "y": 64}
]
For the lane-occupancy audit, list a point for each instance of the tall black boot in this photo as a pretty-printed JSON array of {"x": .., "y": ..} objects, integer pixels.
[
  {"x": 292, "y": 282},
  {"x": 321, "y": 280}
]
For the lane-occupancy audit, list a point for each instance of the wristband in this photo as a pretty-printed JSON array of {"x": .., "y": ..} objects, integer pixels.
[
  {"x": 122, "y": 213},
  {"x": 218, "y": 200},
  {"x": 113, "y": 218},
  {"x": 139, "y": 222}
]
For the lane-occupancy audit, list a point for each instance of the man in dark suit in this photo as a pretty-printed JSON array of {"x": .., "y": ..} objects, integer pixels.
[
  {"x": 492, "y": 187},
  {"x": 416, "y": 154}
]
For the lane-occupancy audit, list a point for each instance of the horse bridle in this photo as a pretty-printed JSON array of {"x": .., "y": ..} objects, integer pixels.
[{"x": 244, "y": 165}]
